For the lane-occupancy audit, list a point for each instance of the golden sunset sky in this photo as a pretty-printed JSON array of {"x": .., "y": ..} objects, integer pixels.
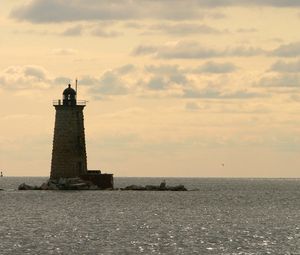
[{"x": 175, "y": 88}]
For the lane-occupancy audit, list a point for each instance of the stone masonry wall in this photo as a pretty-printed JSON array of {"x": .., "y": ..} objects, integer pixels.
[{"x": 69, "y": 150}]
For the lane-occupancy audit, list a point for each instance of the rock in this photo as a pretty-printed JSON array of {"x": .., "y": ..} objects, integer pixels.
[
  {"x": 78, "y": 186},
  {"x": 74, "y": 180},
  {"x": 93, "y": 187},
  {"x": 62, "y": 181},
  {"x": 44, "y": 186},
  {"x": 24, "y": 186},
  {"x": 177, "y": 188},
  {"x": 61, "y": 184},
  {"x": 161, "y": 187},
  {"x": 152, "y": 187},
  {"x": 134, "y": 187},
  {"x": 52, "y": 185},
  {"x": 71, "y": 184}
]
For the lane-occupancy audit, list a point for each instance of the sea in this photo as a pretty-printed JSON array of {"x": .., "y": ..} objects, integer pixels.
[{"x": 216, "y": 216}]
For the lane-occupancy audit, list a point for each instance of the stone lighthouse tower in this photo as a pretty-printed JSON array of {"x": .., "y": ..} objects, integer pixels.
[{"x": 69, "y": 151}]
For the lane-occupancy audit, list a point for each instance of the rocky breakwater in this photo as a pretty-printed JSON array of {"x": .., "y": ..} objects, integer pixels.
[
  {"x": 79, "y": 184},
  {"x": 62, "y": 184},
  {"x": 161, "y": 187}
]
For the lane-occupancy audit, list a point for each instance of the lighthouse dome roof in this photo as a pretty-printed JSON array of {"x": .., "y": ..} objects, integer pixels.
[{"x": 69, "y": 91}]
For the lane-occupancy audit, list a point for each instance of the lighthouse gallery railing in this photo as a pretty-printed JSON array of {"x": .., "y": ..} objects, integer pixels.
[{"x": 60, "y": 102}]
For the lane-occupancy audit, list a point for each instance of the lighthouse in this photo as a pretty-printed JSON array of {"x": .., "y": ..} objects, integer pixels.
[
  {"x": 69, "y": 152},
  {"x": 69, "y": 158}
]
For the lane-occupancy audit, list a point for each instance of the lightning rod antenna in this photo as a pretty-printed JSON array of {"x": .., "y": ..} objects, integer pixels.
[{"x": 76, "y": 83}]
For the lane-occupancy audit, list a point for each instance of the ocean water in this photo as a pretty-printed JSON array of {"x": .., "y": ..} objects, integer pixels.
[{"x": 220, "y": 216}]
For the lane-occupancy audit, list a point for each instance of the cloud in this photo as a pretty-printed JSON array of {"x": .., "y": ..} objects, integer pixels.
[
  {"x": 44, "y": 11},
  {"x": 194, "y": 50},
  {"x": 158, "y": 83},
  {"x": 217, "y": 93},
  {"x": 192, "y": 106},
  {"x": 101, "y": 32},
  {"x": 176, "y": 81},
  {"x": 24, "y": 77},
  {"x": 30, "y": 77},
  {"x": 144, "y": 50},
  {"x": 35, "y": 71},
  {"x": 128, "y": 79},
  {"x": 73, "y": 31},
  {"x": 213, "y": 67},
  {"x": 224, "y": 3},
  {"x": 133, "y": 25},
  {"x": 295, "y": 98},
  {"x": 243, "y": 51},
  {"x": 126, "y": 69},
  {"x": 111, "y": 82},
  {"x": 187, "y": 50},
  {"x": 164, "y": 69},
  {"x": 165, "y": 82},
  {"x": 282, "y": 80},
  {"x": 165, "y": 76},
  {"x": 286, "y": 67},
  {"x": 185, "y": 29},
  {"x": 62, "y": 80},
  {"x": 63, "y": 52},
  {"x": 247, "y": 30},
  {"x": 41, "y": 11},
  {"x": 208, "y": 67},
  {"x": 152, "y": 81},
  {"x": 287, "y": 50}
]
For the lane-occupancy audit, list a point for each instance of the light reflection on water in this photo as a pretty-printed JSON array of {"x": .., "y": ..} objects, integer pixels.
[{"x": 226, "y": 216}]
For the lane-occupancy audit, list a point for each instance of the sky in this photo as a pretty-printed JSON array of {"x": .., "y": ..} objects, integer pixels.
[{"x": 194, "y": 88}]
